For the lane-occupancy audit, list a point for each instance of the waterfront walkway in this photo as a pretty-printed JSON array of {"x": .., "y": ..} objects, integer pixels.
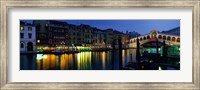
[{"x": 65, "y": 51}]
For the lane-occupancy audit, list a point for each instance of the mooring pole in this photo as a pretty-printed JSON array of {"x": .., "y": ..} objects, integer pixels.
[
  {"x": 131, "y": 57},
  {"x": 157, "y": 54},
  {"x": 120, "y": 53},
  {"x": 113, "y": 53},
  {"x": 138, "y": 53}
]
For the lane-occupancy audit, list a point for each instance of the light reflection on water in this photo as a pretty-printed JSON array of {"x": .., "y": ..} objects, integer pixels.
[{"x": 77, "y": 61}]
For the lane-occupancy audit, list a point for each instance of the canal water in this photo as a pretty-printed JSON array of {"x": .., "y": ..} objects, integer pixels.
[{"x": 77, "y": 61}]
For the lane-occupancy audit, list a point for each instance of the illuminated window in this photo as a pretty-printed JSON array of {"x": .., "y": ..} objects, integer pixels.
[
  {"x": 21, "y": 28},
  {"x": 30, "y": 28},
  {"x": 38, "y": 41},
  {"x": 154, "y": 34},
  {"x": 62, "y": 42}
]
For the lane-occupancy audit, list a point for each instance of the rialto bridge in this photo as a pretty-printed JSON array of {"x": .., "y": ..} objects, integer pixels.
[{"x": 153, "y": 36}]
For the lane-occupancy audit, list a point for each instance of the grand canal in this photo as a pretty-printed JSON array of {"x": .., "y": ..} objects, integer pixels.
[{"x": 77, "y": 61}]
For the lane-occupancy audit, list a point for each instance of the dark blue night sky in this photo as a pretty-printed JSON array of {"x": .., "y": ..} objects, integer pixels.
[{"x": 140, "y": 26}]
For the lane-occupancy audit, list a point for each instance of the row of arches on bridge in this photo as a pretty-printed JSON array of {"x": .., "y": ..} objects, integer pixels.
[{"x": 169, "y": 38}]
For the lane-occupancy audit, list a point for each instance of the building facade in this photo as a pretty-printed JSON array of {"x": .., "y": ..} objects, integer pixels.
[
  {"x": 98, "y": 37},
  {"x": 51, "y": 32},
  {"x": 27, "y": 37},
  {"x": 86, "y": 32},
  {"x": 41, "y": 32},
  {"x": 58, "y": 33}
]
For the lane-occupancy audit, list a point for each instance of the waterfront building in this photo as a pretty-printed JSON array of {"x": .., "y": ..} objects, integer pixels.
[
  {"x": 59, "y": 33},
  {"x": 87, "y": 35},
  {"x": 109, "y": 37},
  {"x": 73, "y": 35},
  {"x": 41, "y": 32},
  {"x": 27, "y": 37},
  {"x": 51, "y": 32},
  {"x": 125, "y": 39},
  {"x": 98, "y": 37},
  {"x": 117, "y": 35}
]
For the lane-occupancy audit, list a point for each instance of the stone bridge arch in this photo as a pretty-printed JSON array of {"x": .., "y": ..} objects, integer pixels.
[
  {"x": 153, "y": 40},
  {"x": 153, "y": 35}
]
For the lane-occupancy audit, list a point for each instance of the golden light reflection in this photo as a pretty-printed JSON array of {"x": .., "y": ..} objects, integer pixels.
[
  {"x": 79, "y": 61},
  {"x": 38, "y": 64},
  {"x": 104, "y": 60},
  {"x": 63, "y": 62},
  {"x": 66, "y": 61},
  {"x": 38, "y": 61},
  {"x": 52, "y": 59},
  {"x": 39, "y": 56},
  {"x": 84, "y": 60},
  {"x": 57, "y": 61},
  {"x": 44, "y": 56},
  {"x": 45, "y": 63},
  {"x": 79, "y": 56},
  {"x": 123, "y": 57}
]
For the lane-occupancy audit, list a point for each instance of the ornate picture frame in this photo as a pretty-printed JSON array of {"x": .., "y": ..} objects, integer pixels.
[{"x": 4, "y": 44}]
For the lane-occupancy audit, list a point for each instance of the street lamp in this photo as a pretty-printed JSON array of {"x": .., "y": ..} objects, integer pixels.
[{"x": 38, "y": 41}]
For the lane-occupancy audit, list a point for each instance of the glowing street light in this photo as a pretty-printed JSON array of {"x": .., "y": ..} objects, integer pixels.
[{"x": 38, "y": 41}]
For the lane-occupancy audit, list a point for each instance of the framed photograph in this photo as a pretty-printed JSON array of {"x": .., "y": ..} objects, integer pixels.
[{"x": 103, "y": 44}]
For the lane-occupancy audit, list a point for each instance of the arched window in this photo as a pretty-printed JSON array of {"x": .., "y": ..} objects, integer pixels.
[
  {"x": 164, "y": 37},
  {"x": 154, "y": 35},
  {"x": 134, "y": 41},
  {"x": 173, "y": 38},
  {"x": 160, "y": 37},
  {"x": 140, "y": 39},
  {"x": 144, "y": 38},
  {"x": 168, "y": 38},
  {"x": 148, "y": 37},
  {"x": 29, "y": 46},
  {"x": 21, "y": 45},
  {"x": 178, "y": 39}
]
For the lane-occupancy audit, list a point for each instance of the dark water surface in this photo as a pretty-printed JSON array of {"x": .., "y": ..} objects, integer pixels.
[{"x": 77, "y": 61}]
